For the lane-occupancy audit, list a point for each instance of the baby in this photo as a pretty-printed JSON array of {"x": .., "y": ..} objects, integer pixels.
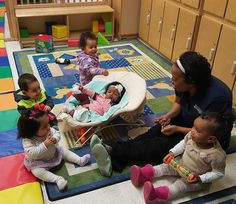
[
  {"x": 42, "y": 151},
  {"x": 99, "y": 103},
  {"x": 30, "y": 95},
  {"x": 88, "y": 58},
  {"x": 200, "y": 152}
]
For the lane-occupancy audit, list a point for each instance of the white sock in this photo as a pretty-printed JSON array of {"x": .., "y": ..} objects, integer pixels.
[
  {"x": 84, "y": 160},
  {"x": 61, "y": 183}
]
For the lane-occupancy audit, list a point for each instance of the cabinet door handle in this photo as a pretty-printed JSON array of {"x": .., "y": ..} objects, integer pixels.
[
  {"x": 148, "y": 19},
  {"x": 233, "y": 69},
  {"x": 172, "y": 34},
  {"x": 159, "y": 26},
  {"x": 188, "y": 43},
  {"x": 211, "y": 54}
]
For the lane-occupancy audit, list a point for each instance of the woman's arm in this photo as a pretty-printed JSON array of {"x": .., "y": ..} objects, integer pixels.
[{"x": 175, "y": 110}]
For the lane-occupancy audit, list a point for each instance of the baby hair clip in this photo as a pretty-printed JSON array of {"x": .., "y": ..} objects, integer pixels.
[{"x": 39, "y": 107}]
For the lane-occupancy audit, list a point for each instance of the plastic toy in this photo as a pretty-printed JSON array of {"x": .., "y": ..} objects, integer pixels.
[
  {"x": 95, "y": 26},
  {"x": 62, "y": 61},
  {"x": 73, "y": 43},
  {"x": 83, "y": 135},
  {"x": 48, "y": 26},
  {"x": 102, "y": 40},
  {"x": 59, "y": 31},
  {"x": 183, "y": 172},
  {"x": 44, "y": 43},
  {"x": 108, "y": 28},
  {"x": 24, "y": 33}
]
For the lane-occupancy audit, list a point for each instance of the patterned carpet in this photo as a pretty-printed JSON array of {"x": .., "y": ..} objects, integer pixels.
[{"x": 57, "y": 80}]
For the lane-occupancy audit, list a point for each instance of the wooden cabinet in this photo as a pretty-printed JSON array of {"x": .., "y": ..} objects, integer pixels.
[
  {"x": 126, "y": 17},
  {"x": 184, "y": 34},
  {"x": 76, "y": 18},
  {"x": 169, "y": 29},
  {"x": 192, "y": 3},
  {"x": 231, "y": 11},
  {"x": 156, "y": 23},
  {"x": 225, "y": 60},
  {"x": 208, "y": 37},
  {"x": 145, "y": 17},
  {"x": 216, "y": 7}
]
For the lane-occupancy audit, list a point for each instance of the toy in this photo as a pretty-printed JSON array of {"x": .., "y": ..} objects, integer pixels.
[
  {"x": 73, "y": 43},
  {"x": 101, "y": 26},
  {"x": 43, "y": 43},
  {"x": 24, "y": 33},
  {"x": 83, "y": 135},
  {"x": 95, "y": 26},
  {"x": 108, "y": 28},
  {"x": 59, "y": 31},
  {"x": 102, "y": 40},
  {"x": 49, "y": 25},
  {"x": 183, "y": 172},
  {"x": 62, "y": 61}
]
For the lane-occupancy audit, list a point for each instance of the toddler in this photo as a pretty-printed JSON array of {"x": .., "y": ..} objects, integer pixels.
[
  {"x": 201, "y": 154},
  {"x": 41, "y": 148},
  {"x": 99, "y": 103},
  {"x": 31, "y": 94},
  {"x": 88, "y": 58}
]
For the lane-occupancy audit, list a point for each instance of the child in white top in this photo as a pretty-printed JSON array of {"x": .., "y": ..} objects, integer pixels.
[
  {"x": 41, "y": 148},
  {"x": 200, "y": 152}
]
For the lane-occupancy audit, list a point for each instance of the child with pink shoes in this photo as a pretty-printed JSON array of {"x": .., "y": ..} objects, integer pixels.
[{"x": 201, "y": 154}]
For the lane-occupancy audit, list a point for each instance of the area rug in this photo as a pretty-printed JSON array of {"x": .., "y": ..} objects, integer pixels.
[{"x": 57, "y": 80}]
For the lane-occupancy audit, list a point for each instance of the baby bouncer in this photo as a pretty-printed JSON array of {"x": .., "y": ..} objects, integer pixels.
[{"x": 129, "y": 108}]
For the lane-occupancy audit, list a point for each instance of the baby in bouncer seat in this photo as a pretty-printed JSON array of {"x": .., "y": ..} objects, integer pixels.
[{"x": 84, "y": 100}]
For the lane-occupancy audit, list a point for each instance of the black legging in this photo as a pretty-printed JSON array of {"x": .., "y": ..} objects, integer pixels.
[{"x": 151, "y": 146}]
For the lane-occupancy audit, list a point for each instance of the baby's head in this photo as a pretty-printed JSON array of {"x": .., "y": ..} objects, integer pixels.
[
  {"x": 114, "y": 91},
  {"x": 29, "y": 85},
  {"x": 88, "y": 43},
  {"x": 212, "y": 126},
  {"x": 34, "y": 124}
]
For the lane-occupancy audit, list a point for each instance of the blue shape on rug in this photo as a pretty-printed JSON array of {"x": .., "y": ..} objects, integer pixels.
[
  {"x": 120, "y": 62},
  {"x": 44, "y": 71},
  {"x": 43, "y": 59}
]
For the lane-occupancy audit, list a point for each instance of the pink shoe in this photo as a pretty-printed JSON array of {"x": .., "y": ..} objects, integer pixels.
[
  {"x": 139, "y": 176},
  {"x": 154, "y": 195}
]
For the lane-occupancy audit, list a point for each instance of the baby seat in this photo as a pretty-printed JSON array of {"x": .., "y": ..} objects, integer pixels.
[{"x": 131, "y": 101}]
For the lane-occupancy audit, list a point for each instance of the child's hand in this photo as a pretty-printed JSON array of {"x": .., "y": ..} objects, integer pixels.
[
  {"x": 50, "y": 141},
  {"x": 168, "y": 158},
  {"x": 105, "y": 73},
  {"x": 47, "y": 108},
  {"x": 193, "y": 178}
]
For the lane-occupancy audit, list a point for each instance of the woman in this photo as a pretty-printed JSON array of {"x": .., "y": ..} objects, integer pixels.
[{"x": 196, "y": 91}]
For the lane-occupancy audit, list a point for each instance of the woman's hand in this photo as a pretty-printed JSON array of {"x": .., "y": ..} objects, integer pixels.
[
  {"x": 169, "y": 129},
  {"x": 163, "y": 120},
  {"x": 168, "y": 158}
]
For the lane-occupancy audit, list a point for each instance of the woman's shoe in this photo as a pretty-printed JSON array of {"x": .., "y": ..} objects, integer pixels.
[
  {"x": 103, "y": 159},
  {"x": 95, "y": 140}
]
